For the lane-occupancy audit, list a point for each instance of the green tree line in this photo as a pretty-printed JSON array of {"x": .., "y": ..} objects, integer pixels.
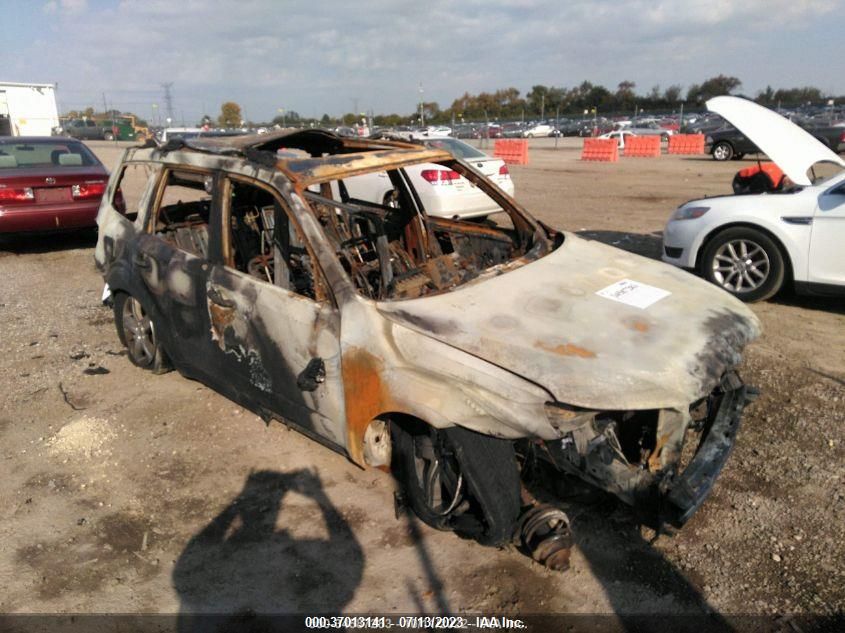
[{"x": 542, "y": 102}]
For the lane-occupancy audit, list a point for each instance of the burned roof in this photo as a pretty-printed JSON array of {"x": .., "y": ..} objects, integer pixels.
[
  {"x": 315, "y": 142},
  {"x": 332, "y": 156}
]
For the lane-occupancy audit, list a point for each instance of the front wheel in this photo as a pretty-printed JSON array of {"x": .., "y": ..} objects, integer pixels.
[
  {"x": 137, "y": 332},
  {"x": 108, "y": 136},
  {"x": 746, "y": 262},
  {"x": 456, "y": 479},
  {"x": 723, "y": 151}
]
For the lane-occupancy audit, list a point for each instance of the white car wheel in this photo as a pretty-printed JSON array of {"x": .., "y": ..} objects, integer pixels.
[{"x": 745, "y": 262}]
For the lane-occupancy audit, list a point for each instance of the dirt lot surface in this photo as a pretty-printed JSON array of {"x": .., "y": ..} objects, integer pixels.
[{"x": 122, "y": 491}]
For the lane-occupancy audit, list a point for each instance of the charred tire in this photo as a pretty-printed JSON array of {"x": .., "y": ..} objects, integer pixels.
[
  {"x": 723, "y": 151},
  {"x": 136, "y": 331},
  {"x": 745, "y": 262},
  {"x": 477, "y": 491}
]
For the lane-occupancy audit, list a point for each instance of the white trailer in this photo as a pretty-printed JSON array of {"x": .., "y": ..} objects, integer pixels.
[{"x": 27, "y": 109}]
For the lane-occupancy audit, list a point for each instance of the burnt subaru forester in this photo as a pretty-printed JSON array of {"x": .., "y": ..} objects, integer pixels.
[{"x": 450, "y": 352}]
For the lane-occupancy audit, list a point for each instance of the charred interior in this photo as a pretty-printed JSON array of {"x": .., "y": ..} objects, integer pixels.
[
  {"x": 184, "y": 210},
  {"x": 393, "y": 250}
]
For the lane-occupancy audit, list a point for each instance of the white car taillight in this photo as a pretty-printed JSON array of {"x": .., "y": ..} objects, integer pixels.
[{"x": 440, "y": 176}]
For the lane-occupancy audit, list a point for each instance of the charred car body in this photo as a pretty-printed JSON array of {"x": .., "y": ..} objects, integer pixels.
[{"x": 452, "y": 352}]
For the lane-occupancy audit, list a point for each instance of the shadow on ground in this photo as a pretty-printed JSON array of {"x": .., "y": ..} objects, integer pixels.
[
  {"x": 645, "y": 589},
  {"x": 826, "y": 304},
  {"x": 646, "y": 244},
  {"x": 260, "y": 556},
  {"x": 47, "y": 242}
]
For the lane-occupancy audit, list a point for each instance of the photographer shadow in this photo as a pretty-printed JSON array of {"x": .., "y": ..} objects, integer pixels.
[{"x": 258, "y": 560}]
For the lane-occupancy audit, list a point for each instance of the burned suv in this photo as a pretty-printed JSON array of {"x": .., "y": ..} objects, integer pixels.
[{"x": 451, "y": 352}]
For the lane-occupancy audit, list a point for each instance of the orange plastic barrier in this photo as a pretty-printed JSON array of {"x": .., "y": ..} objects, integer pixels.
[
  {"x": 642, "y": 146},
  {"x": 686, "y": 144},
  {"x": 512, "y": 151},
  {"x": 600, "y": 149}
]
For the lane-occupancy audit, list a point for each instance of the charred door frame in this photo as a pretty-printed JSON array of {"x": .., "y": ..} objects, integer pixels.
[
  {"x": 262, "y": 330},
  {"x": 180, "y": 316}
]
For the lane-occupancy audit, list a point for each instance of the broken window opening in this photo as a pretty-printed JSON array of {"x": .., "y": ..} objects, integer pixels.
[
  {"x": 130, "y": 188},
  {"x": 263, "y": 242},
  {"x": 392, "y": 250},
  {"x": 182, "y": 214}
]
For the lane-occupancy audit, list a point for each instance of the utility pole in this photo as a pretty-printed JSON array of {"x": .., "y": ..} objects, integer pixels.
[
  {"x": 542, "y": 107},
  {"x": 168, "y": 99},
  {"x": 106, "y": 113},
  {"x": 557, "y": 124},
  {"x": 422, "y": 111}
]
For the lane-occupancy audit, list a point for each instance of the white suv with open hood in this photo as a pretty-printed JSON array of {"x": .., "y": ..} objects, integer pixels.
[{"x": 751, "y": 244}]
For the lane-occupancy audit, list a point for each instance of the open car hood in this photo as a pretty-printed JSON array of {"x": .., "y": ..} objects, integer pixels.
[
  {"x": 546, "y": 323},
  {"x": 792, "y": 148}
]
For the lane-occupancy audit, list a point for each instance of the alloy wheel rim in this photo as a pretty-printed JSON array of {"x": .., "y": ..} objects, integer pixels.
[
  {"x": 721, "y": 152},
  {"x": 139, "y": 332},
  {"x": 741, "y": 266}
]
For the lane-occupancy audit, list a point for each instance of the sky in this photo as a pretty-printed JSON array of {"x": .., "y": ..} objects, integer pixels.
[{"x": 333, "y": 56}]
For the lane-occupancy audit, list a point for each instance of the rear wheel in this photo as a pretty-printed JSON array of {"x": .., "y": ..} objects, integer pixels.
[
  {"x": 456, "y": 479},
  {"x": 745, "y": 262},
  {"x": 137, "y": 332},
  {"x": 109, "y": 136},
  {"x": 723, "y": 151}
]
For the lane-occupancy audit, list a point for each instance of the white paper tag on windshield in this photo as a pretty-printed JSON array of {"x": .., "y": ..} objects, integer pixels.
[{"x": 633, "y": 293}]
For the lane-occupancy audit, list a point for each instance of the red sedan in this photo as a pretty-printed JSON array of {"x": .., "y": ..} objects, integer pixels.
[{"x": 48, "y": 184}]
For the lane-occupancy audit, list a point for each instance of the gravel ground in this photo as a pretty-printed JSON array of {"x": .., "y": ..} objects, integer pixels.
[{"x": 123, "y": 491}]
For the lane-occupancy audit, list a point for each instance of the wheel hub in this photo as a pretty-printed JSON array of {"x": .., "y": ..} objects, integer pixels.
[{"x": 741, "y": 265}]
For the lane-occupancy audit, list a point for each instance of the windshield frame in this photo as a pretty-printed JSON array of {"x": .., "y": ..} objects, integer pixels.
[{"x": 533, "y": 240}]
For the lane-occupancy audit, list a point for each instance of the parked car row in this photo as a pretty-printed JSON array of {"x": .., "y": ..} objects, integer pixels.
[{"x": 729, "y": 143}]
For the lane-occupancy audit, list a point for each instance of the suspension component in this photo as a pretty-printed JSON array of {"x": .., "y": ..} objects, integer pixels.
[{"x": 544, "y": 533}]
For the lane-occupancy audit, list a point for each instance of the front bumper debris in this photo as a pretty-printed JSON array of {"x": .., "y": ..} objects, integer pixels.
[
  {"x": 648, "y": 474},
  {"x": 686, "y": 492}
]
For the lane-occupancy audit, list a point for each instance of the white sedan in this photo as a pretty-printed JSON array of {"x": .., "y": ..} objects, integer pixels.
[
  {"x": 752, "y": 244},
  {"x": 619, "y": 135},
  {"x": 538, "y": 130},
  {"x": 443, "y": 193}
]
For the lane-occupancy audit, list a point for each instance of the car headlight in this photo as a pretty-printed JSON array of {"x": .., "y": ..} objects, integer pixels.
[{"x": 689, "y": 213}]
